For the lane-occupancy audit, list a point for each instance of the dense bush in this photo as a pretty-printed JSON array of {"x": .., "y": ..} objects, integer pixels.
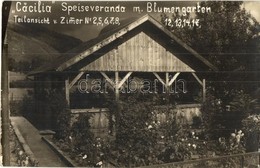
[
  {"x": 33, "y": 110},
  {"x": 223, "y": 115},
  {"x": 86, "y": 149},
  {"x": 241, "y": 106},
  {"x": 83, "y": 138},
  {"x": 61, "y": 114},
  {"x": 144, "y": 139},
  {"x": 251, "y": 127},
  {"x": 134, "y": 137},
  {"x": 212, "y": 112},
  {"x": 231, "y": 145},
  {"x": 50, "y": 112}
]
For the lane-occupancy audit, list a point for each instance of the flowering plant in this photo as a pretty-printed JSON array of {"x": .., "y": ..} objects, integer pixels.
[
  {"x": 251, "y": 126},
  {"x": 252, "y": 123},
  {"x": 233, "y": 144}
]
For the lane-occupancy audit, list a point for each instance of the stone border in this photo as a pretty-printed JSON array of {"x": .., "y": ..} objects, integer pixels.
[
  {"x": 24, "y": 145},
  {"x": 60, "y": 153}
]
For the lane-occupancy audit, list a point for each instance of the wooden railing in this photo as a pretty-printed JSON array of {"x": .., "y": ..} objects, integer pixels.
[{"x": 186, "y": 112}]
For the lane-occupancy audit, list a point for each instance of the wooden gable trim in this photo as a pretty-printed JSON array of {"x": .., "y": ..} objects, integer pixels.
[{"x": 123, "y": 31}]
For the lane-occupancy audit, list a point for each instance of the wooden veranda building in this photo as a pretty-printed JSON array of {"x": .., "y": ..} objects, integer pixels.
[{"x": 138, "y": 45}]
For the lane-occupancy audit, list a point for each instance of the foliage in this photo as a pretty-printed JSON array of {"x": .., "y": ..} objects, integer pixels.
[
  {"x": 252, "y": 123},
  {"x": 223, "y": 115},
  {"x": 196, "y": 122},
  {"x": 24, "y": 66},
  {"x": 238, "y": 108},
  {"x": 231, "y": 145},
  {"x": 59, "y": 107},
  {"x": 251, "y": 127},
  {"x": 33, "y": 110},
  {"x": 52, "y": 108},
  {"x": 82, "y": 146},
  {"x": 82, "y": 137},
  {"x": 227, "y": 37},
  {"x": 227, "y": 29},
  {"x": 243, "y": 102},
  {"x": 223, "y": 36},
  {"x": 132, "y": 133},
  {"x": 180, "y": 146},
  {"x": 144, "y": 139},
  {"x": 211, "y": 111}
]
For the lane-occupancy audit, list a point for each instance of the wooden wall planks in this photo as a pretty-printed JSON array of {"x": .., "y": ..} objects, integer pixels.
[{"x": 140, "y": 53}]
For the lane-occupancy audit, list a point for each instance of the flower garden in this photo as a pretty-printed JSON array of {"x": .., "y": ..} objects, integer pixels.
[{"x": 138, "y": 138}]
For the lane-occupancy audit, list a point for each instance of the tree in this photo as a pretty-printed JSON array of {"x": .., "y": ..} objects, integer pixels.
[
  {"x": 228, "y": 38},
  {"x": 222, "y": 118},
  {"x": 224, "y": 36}
]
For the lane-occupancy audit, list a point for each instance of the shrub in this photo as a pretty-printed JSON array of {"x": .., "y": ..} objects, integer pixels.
[
  {"x": 33, "y": 110},
  {"x": 231, "y": 145},
  {"x": 251, "y": 126},
  {"x": 222, "y": 115},
  {"x": 61, "y": 113},
  {"x": 82, "y": 138},
  {"x": 134, "y": 136},
  {"x": 212, "y": 111},
  {"x": 143, "y": 139},
  {"x": 241, "y": 106},
  {"x": 49, "y": 112}
]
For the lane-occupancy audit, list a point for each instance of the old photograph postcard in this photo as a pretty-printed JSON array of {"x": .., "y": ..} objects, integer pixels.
[{"x": 130, "y": 84}]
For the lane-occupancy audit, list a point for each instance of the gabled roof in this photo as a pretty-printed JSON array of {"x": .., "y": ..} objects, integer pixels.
[{"x": 107, "y": 36}]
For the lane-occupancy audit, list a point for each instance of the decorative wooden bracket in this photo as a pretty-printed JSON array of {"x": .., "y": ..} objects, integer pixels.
[
  {"x": 75, "y": 79},
  {"x": 124, "y": 79},
  {"x": 167, "y": 81},
  {"x": 116, "y": 83},
  {"x": 203, "y": 84},
  {"x": 197, "y": 78},
  {"x": 159, "y": 78},
  {"x": 108, "y": 79},
  {"x": 173, "y": 79}
]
